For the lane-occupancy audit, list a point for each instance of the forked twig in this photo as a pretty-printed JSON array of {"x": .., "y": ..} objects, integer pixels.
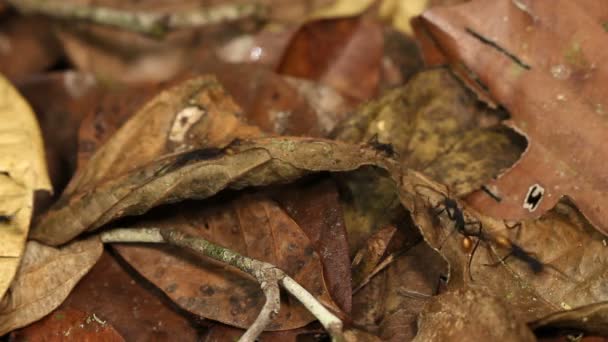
[{"x": 268, "y": 276}]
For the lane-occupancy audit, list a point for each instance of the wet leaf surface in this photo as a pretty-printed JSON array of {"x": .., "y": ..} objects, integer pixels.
[
  {"x": 45, "y": 278},
  {"x": 541, "y": 87}
]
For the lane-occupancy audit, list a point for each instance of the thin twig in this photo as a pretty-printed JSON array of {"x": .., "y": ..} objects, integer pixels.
[
  {"x": 150, "y": 23},
  {"x": 268, "y": 275}
]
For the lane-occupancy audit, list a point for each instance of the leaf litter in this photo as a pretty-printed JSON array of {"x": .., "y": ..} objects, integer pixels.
[{"x": 372, "y": 222}]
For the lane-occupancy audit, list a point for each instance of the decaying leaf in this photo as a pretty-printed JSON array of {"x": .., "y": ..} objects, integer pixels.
[
  {"x": 251, "y": 225},
  {"x": 554, "y": 263},
  {"x": 543, "y": 65},
  {"x": 22, "y": 172},
  {"x": 44, "y": 279},
  {"x": 470, "y": 315},
  {"x": 435, "y": 126}
]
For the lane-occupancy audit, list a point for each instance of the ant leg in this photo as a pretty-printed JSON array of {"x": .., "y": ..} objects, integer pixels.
[
  {"x": 501, "y": 261},
  {"x": 479, "y": 238},
  {"x": 471, "y": 258},
  {"x": 517, "y": 226}
]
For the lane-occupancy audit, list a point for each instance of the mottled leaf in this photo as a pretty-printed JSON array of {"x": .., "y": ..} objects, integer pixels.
[{"x": 434, "y": 125}]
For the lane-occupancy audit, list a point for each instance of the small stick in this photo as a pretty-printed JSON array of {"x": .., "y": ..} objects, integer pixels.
[
  {"x": 268, "y": 275},
  {"x": 150, "y": 23}
]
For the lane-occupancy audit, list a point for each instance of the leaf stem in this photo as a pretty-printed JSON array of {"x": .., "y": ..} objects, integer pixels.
[{"x": 268, "y": 275}]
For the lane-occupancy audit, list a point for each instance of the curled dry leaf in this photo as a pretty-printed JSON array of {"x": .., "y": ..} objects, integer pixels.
[
  {"x": 591, "y": 319},
  {"x": 251, "y": 225},
  {"x": 45, "y": 278},
  {"x": 22, "y": 172},
  {"x": 554, "y": 263},
  {"x": 542, "y": 64},
  {"x": 69, "y": 325},
  {"x": 470, "y": 315},
  {"x": 196, "y": 174},
  {"x": 434, "y": 125}
]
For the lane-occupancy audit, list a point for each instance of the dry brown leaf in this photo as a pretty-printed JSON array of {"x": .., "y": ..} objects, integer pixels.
[
  {"x": 22, "y": 173},
  {"x": 470, "y": 315},
  {"x": 197, "y": 174},
  {"x": 194, "y": 114},
  {"x": 45, "y": 278},
  {"x": 541, "y": 62},
  {"x": 250, "y": 225},
  {"x": 435, "y": 126}
]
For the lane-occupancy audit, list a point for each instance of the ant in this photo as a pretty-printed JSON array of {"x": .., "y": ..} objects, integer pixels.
[
  {"x": 387, "y": 149},
  {"x": 456, "y": 215},
  {"x": 518, "y": 252}
]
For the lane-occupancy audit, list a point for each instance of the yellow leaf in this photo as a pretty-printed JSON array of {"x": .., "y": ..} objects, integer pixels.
[
  {"x": 22, "y": 172},
  {"x": 399, "y": 12},
  {"x": 341, "y": 8}
]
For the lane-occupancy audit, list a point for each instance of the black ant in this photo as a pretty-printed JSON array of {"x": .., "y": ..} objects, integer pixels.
[
  {"x": 456, "y": 215},
  {"x": 518, "y": 252},
  {"x": 387, "y": 149}
]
